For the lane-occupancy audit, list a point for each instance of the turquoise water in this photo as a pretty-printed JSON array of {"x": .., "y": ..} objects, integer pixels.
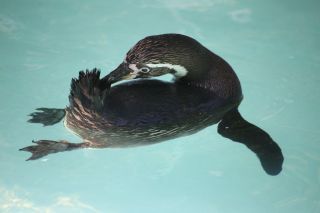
[{"x": 273, "y": 46}]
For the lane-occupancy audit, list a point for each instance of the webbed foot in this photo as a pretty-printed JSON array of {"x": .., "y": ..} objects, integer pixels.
[
  {"x": 45, "y": 147},
  {"x": 47, "y": 116}
]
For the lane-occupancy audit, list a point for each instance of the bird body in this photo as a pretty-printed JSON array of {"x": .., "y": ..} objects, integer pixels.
[{"x": 141, "y": 112}]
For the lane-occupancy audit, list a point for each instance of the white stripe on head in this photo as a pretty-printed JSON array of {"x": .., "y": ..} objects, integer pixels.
[
  {"x": 135, "y": 72},
  {"x": 180, "y": 70},
  {"x": 133, "y": 67}
]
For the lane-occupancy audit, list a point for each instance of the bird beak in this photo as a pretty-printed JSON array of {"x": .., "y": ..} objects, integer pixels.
[{"x": 122, "y": 72}]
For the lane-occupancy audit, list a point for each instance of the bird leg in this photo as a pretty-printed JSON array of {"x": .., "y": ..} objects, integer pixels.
[{"x": 46, "y": 147}]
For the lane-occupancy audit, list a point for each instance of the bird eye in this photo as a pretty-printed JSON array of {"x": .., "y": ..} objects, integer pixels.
[{"x": 145, "y": 69}]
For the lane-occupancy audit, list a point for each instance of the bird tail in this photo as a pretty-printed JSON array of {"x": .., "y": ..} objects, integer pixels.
[{"x": 85, "y": 91}]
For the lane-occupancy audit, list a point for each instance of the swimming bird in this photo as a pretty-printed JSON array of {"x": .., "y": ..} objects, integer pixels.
[{"x": 205, "y": 91}]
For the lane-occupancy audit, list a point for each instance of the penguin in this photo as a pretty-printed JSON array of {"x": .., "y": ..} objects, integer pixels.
[{"x": 128, "y": 107}]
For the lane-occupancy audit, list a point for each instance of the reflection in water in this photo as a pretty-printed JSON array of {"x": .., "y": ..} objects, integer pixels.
[{"x": 145, "y": 112}]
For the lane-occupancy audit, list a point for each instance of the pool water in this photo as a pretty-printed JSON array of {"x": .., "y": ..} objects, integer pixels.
[{"x": 273, "y": 46}]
